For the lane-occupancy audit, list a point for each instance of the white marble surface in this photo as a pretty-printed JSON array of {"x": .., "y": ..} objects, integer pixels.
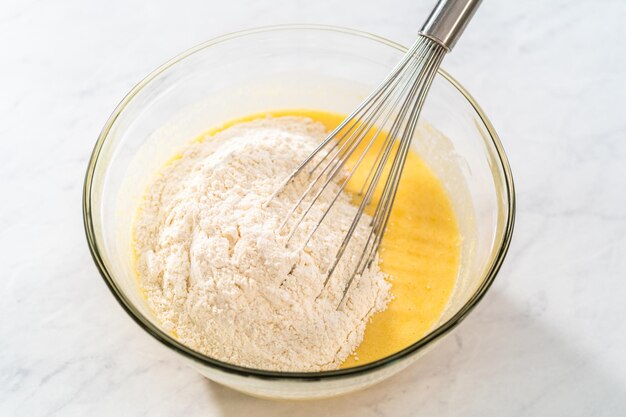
[{"x": 549, "y": 339}]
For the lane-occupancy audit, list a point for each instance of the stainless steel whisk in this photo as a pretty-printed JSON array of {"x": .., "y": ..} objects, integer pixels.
[{"x": 391, "y": 111}]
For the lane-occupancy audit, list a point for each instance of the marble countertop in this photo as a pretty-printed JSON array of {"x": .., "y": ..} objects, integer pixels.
[{"x": 549, "y": 339}]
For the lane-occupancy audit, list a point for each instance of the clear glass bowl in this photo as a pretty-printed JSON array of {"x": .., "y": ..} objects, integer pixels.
[{"x": 292, "y": 67}]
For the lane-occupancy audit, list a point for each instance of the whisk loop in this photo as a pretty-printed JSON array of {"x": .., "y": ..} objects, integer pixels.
[{"x": 386, "y": 120}]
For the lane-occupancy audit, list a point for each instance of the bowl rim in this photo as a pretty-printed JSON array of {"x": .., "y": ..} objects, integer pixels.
[{"x": 435, "y": 334}]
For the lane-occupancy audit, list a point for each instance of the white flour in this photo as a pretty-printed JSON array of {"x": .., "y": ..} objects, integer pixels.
[{"x": 218, "y": 274}]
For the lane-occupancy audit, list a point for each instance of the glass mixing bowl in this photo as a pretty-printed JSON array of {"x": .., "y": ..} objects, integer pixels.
[{"x": 292, "y": 67}]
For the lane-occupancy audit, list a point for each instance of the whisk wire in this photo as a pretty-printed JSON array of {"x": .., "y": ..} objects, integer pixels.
[
  {"x": 357, "y": 164},
  {"x": 382, "y": 214},
  {"x": 414, "y": 81},
  {"x": 366, "y": 103},
  {"x": 341, "y": 156},
  {"x": 388, "y": 195}
]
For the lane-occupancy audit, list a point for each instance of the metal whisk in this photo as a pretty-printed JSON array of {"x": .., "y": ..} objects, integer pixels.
[{"x": 386, "y": 120}]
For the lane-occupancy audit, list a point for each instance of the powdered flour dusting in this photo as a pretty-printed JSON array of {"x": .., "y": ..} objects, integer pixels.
[{"x": 220, "y": 276}]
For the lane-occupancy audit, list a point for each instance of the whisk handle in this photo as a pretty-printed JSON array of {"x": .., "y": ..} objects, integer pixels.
[{"x": 448, "y": 20}]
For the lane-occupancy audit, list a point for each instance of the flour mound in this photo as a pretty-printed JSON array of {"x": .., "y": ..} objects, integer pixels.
[{"x": 220, "y": 276}]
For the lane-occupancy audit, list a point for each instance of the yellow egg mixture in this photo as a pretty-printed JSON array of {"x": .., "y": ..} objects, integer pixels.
[{"x": 420, "y": 251}]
